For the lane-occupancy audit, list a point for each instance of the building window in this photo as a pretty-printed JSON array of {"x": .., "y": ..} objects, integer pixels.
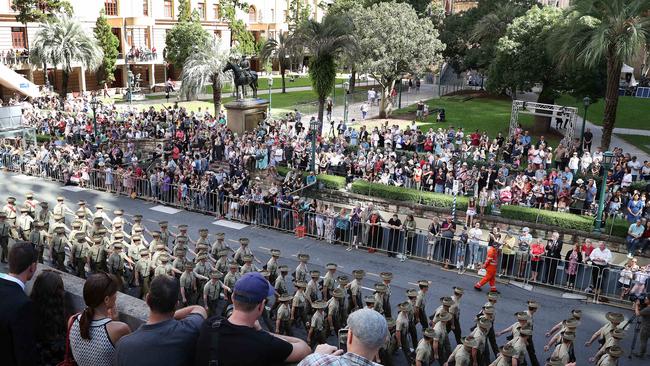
[
  {"x": 201, "y": 7},
  {"x": 145, "y": 7},
  {"x": 110, "y": 6},
  {"x": 169, "y": 8},
  {"x": 252, "y": 15},
  {"x": 272, "y": 15},
  {"x": 147, "y": 37},
  {"x": 18, "y": 37},
  {"x": 217, "y": 34}
]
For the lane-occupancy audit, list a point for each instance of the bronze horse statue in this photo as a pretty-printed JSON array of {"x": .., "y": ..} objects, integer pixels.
[{"x": 242, "y": 79}]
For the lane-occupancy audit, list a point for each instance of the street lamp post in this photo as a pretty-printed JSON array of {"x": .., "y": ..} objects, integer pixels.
[
  {"x": 94, "y": 104},
  {"x": 313, "y": 125},
  {"x": 586, "y": 102},
  {"x": 346, "y": 88},
  {"x": 608, "y": 157},
  {"x": 399, "y": 101},
  {"x": 270, "y": 85}
]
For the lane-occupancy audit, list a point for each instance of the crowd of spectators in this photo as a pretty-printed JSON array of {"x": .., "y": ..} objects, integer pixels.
[{"x": 14, "y": 56}]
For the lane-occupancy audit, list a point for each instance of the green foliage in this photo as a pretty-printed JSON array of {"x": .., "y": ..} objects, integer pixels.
[
  {"x": 40, "y": 10},
  {"x": 282, "y": 50},
  {"x": 183, "y": 39},
  {"x": 298, "y": 12},
  {"x": 241, "y": 38},
  {"x": 43, "y": 138},
  {"x": 184, "y": 11},
  {"x": 331, "y": 181},
  {"x": 619, "y": 227},
  {"x": 552, "y": 218},
  {"x": 437, "y": 200},
  {"x": 109, "y": 43},
  {"x": 406, "y": 44}
]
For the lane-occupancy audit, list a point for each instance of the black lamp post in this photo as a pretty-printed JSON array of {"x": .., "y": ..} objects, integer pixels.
[
  {"x": 586, "y": 102},
  {"x": 608, "y": 158},
  {"x": 94, "y": 104},
  {"x": 346, "y": 88},
  {"x": 313, "y": 126}
]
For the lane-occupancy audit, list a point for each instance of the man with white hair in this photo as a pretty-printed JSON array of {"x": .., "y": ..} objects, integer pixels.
[{"x": 367, "y": 333}]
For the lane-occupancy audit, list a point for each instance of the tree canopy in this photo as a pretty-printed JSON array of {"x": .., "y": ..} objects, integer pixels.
[
  {"x": 39, "y": 10},
  {"x": 109, "y": 43},
  {"x": 183, "y": 39}
]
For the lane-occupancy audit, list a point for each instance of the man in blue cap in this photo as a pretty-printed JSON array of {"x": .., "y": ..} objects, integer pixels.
[{"x": 241, "y": 340}]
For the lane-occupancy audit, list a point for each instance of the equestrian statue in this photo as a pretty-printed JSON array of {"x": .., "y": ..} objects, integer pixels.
[{"x": 243, "y": 76}]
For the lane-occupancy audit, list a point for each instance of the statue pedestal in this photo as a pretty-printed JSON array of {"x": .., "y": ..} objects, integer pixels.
[{"x": 244, "y": 115}]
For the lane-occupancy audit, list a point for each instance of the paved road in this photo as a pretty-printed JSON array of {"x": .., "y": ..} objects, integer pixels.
[{"x": 553, "y": 307}]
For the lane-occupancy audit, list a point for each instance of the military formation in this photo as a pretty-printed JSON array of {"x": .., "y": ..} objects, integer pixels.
[{"x": 207, "y": 269}]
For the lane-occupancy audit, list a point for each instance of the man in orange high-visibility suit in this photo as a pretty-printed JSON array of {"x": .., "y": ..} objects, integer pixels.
[{"x": 491, "y": 267}]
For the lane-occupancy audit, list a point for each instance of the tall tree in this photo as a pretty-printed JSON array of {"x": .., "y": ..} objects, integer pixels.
[
  {"x": 109, "y": 44},
  {"x": 183, "y": 39},
  {"x": 282, "y": 50},
  {"x": 298, "y": 12},
  {"x": 406, "y": 44},
  {"x": 325, "y": 41},
  {"x": 39, "y": 10},
  {"x": 184, "y": 11},
  {"x": 609, "y": 30},
  {"x": 241, "y": 39},
  {"x": 206, "y": 66},
  {"x": 63, "y": 42}
]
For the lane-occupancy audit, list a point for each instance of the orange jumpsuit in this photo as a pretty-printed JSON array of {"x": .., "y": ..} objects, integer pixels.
[{"x": 491, "y": 267}]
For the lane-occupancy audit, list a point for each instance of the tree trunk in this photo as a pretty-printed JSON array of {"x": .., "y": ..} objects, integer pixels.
[
  {"x": 386, "y": 107},
  {"x": 282, "y": 72},
  {"x": 353, "y": 78},
  {"x": 611, "y": 100},
  {"x": 321, "y": 108},
  {"x": 543, "y": 124},
  {"x": 64, "y": 86},
  {"x": 216, "y": 97}
]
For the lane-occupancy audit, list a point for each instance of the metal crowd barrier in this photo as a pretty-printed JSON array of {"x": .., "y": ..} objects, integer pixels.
[{"x": 582, "y": 278}]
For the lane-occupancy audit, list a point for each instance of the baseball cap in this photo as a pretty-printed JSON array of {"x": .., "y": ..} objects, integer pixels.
[{"x": 253, "y": 288}]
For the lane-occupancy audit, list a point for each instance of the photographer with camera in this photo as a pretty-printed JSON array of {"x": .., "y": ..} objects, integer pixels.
[{"x": 642, "y": 310}]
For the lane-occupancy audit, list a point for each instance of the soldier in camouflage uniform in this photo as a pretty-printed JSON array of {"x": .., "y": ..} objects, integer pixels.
[
  {"x": 143, "y": 273},
  {"x": 57, "y": 248},
  {"x": 283, "y": 316},
  {"x": 317, "y": 330},
  {"x": 188, "y": 285}
]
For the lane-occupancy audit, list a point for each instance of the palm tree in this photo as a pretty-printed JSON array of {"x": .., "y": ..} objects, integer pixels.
[
  {"x": 609, "y": 30},
  {"x": 282, "y": 50},
  {"x": 324, "y": 42},
  {"x": 63, "y": 42},
  {"x": 205, "y": 65}
]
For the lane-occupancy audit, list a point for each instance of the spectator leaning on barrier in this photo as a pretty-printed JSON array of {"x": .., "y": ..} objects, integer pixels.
[
  {"x": 168, "y": 337},
  {"x": 600, "y": 258}
]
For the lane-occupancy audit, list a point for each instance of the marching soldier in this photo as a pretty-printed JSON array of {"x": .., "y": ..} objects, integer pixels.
[
  {"x": 98, "y": 224},
  {"x": 614, "y": 340},
  {"x": 312, "y": 291},
  {"x": 143, "y": 273},
  {"x": 567, "y": 325},
  {"x": 137, "y": 227},
  {"x": 455, "y": 311},
  {"x": 188, "y": 285},
  {"x": 563, "y": 350},
  {"x": 515, "y": 328},
  {"x": 576, "y": 314},
  {"x": 329, "y": 282},
  {"x": 97, "y": 254},
  {"x": 30, "y": 203},
  {"x": 316, "y": 333},
  {"x": 85, "y": 225},
  {"x": 57, "y": 248},
  {"x": 136, "y": 247},
  {"x": 10, "y": 210},
  {"x": 602, "y": 334},
  {"x": 390, "y": 347},
  {"x": 479, "y": 333},
  {"x": 182, "y": 232},
  {"x": 520, "y": 344},
  {"x": 298, "y": 306},
  {"x": 84, "y": 208},
  {"x": 386, "y": 278},
  {"x": 283, "y": 317},
  {"x": 5, "y": 230},
  {"x": 461, "y": 356},
  {"x": 61, "y": 209},
  {"x": 420, "y": 303},
  {"x": 280, "y": 286},
  {"x": 155, "y": 235},
  {"x": 155, "y": 258},
  {"x": 445, "y": 304},
  {"x": 611, "y": 358},
  {"x": 343, "y": 282},
  {"x": 302, "y": 272},
  {"x": 219, "y": 245},
  {"x": 37, "y": 237},
  {"x": 411, "y": 295},
  {"x": 248, "y": 264},
  {"x": 99, "y": 213},
  {"x": 117, "y": 262},
  {"x": 380, "y": 290},
  {"x": 212, "y": 292},
  {"x": 202, "y": 271},
  {"x": 117, "y": 220},
  {"x": 532, "y": 309},
  {"x": 165, "y": 234},
  {"x": 369, "y": 301},
  {"x": 354, "y": 291},
  {"x": 44, "y": 216},
  {"x": 229, "y": 280},
  {"x": 441, "y": 345},
  {"x": 25, "y": 224},
  {"x": 488, "y": 312},
  {"x": 272, "y": 265},
  {"x": 505, "y": 356},
  {"x": 334, "y": 311},
  {"x": 402, "y": 328},
  {"x": 178, "y": 265},
  {"x": 58, "y": 222},
  {"x": 163, "y": 268},
  {"x": 79, "y": 254},
  {"x": 242, "y": 250},
  {"x": 427, "y": 349}
]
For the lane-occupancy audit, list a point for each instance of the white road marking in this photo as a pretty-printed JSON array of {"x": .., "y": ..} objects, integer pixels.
[
  {"x": 523, "y": 285},
  {"x": 265, "y": 248},
  {"x": 165, "y": 209},
  {"x": 372, "y": 274},
  {"x": 73, "y": 188},
  {"x": 24, "y": 177},
  {"x": 568, "y": 295},
  {"x": 368, "y": 288},
  {"x": 229, "y": 224}
]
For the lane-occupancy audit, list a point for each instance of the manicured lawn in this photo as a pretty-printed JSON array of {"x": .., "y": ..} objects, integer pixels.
[
  {"x": 642, "y": 142},
  {"x": 263, "y": 83},
  {"x": 631, "y": 112},
  {"x": 484, "y": 114}
]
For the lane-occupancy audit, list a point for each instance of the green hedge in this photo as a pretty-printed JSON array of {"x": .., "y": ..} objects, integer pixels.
[
  {"x": 552, "y": 218},
  {"x": 43, "y": 138},
  {"x": 639, "y": 186},
  {"x": 329, "y": 181},
  {"x": 437, "y": 200},
  {"x": 620, "y": 227}
]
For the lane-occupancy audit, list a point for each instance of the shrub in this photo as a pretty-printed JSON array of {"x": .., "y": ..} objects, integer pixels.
[
  {"x": 552, "y": 218},
  {"x": 618, "y": 227},
  {"x": 437, "y": 200},
  {"x": 639, "y": 186},
  {"x": 43, "y": 138},
  {"x": 282, "y": 170},
  {"x": 331, "y": 181}
]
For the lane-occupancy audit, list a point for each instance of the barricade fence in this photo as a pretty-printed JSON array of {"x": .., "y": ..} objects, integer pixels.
[{"x": 601, "y": 282}]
